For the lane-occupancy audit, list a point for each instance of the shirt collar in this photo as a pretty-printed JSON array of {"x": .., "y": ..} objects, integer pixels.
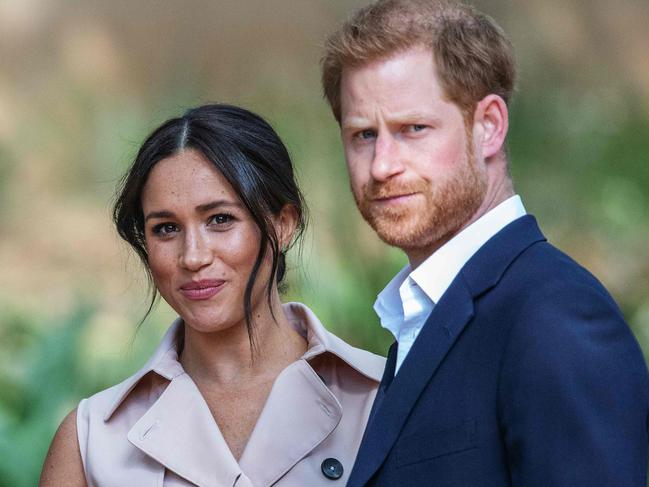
[
  {"x": 388, "y": 303},
  {"x": 164, "y": 360},
  {"x": 436, "y": 273}
]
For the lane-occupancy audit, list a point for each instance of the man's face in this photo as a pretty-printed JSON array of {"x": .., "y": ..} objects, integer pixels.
[{"x": 409, "y": 152}]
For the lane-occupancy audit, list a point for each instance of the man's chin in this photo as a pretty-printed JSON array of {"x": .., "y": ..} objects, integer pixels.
[
  {"x": 398, "y": 233},
  {"x": 412, "y": 236}
]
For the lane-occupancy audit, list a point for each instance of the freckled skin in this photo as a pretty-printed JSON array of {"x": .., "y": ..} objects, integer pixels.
[{"x": 198, "y": 248}]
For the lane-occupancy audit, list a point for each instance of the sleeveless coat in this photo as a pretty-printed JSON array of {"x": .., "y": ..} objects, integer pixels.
[{"x": 155, "y": 429}]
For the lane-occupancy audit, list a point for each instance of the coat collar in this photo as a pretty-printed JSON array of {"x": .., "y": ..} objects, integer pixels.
[
  {"x": 299, "y": 414},
  {"x": 164, "y": 360},
  {"x": 179, "y": 432},
  {"x": 448, "y": 319},
  {"x": 322, "y": 341}
]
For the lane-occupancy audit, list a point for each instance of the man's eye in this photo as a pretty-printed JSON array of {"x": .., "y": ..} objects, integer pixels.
[
  {"x": 366, "y": 134},
  {"x": 221, "y": 219},
  {"x": 416, "y": 127},
  {"x": 164, "y": 229}
]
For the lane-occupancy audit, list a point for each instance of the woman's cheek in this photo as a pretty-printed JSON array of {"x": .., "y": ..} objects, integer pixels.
[{"x": 161, "y": 263}]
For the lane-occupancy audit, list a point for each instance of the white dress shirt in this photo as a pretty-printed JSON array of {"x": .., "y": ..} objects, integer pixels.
[{"x": 408, "y": 299}]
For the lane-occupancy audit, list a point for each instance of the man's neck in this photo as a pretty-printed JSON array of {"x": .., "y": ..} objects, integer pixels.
[{"x": 495, "y": 195}]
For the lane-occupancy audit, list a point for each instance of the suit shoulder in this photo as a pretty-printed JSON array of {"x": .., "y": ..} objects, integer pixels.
[
  {"x": 555, "y": 306},
  {"x": 544, "y": 270}
]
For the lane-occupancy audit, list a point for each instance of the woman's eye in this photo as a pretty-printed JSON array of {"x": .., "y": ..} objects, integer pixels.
[
  {"x": 221, "y": 219},
  {"x": 163, "y": 229}
]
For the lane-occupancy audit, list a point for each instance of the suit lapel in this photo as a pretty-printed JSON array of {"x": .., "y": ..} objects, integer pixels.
[
  {"x": 388, "y": 376},
  {"x": 444, "y": 325},
  {"x": 442, "y": 328}
]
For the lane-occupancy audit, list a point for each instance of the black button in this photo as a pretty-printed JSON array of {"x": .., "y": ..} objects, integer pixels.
[{"x": 332, "y": 468}]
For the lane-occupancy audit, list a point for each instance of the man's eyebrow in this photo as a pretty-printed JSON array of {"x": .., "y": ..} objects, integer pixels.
[
  {"x": 356, "y": 123},
  {"x": 416, "y": 115},
  {"x": 353, "y": 123},
  {"x": 200, "y": 208}
]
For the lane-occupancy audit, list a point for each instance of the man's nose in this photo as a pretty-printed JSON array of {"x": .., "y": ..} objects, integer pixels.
[
  {"x": 387, "y": 161},
  {"x": 196, "y": 252}
]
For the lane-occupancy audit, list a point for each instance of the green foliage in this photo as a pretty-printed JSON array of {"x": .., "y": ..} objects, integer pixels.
[
  {"x": 48, "y": 365},
  {"x": 42, "y": 381}
]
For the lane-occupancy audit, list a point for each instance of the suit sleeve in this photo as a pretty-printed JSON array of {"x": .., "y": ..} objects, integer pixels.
[{"x": 573, "y": 392}]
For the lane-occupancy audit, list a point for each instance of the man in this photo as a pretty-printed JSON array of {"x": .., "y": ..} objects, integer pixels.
[{"x": 512, "y": 364}]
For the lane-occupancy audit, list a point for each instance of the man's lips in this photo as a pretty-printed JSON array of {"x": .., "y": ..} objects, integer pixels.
[
  {"x": 204, "y": 289},
  {"x": 396, "y": 198}
]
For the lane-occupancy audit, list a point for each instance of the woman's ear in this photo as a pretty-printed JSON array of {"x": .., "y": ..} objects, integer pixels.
[
  {"x": 490, "y": 123},
  {"x": 285, "y": 225}
]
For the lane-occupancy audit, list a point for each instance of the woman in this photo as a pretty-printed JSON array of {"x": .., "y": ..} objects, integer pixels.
[{"x": 242, "y": 391}]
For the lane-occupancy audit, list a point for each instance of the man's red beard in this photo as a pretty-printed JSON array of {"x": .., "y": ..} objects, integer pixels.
[{"x": 434, "y": 214}]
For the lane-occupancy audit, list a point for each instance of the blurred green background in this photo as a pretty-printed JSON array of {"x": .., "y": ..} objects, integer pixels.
[{"x": 82, "y": 83}]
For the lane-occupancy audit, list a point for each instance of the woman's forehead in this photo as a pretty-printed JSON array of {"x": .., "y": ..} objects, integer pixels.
[{"x": 186, "y": 178}]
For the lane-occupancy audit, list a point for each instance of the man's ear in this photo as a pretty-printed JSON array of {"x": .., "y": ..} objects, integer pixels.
[
  {"x": 490, "y": 123},
  {"x": 285, "y": 225}
]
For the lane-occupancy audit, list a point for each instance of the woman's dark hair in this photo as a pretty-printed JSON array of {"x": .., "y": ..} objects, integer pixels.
[{"x": 251, "y": 157}]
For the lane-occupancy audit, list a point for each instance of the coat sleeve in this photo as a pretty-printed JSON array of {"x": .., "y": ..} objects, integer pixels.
[{"x": 573, "y": 392}]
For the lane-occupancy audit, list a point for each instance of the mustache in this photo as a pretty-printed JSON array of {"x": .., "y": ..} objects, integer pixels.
[{"x": 381, "y": 190}]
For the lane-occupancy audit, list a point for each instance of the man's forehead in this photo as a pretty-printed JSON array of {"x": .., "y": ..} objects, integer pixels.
[
  {"x": 356, "y": 120},
  {"x": 407, "y": 102},
  {"x": 409, "y": 74}
]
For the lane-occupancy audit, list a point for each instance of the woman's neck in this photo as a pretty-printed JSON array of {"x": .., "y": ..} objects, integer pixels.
[{"x": 226, "y": 357}]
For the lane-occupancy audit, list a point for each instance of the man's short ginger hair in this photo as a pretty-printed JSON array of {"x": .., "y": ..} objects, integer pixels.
[{"x": 472, "y": 55}]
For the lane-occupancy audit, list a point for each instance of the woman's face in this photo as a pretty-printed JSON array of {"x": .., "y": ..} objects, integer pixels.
[{"x": 201, "y": 241}]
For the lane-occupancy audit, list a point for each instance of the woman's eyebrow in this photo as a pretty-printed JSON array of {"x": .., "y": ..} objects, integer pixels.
[
  {"x": 159, "y": 214},
  {"x": 205, "y": 207},
  {"x": 217, "y": 204}
]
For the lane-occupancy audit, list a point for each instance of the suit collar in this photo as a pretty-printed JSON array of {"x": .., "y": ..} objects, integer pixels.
[
  {"x": 448, "y": 319},
  {"x": 487, "y": 266},
  {"x": 435, "y": 274}
]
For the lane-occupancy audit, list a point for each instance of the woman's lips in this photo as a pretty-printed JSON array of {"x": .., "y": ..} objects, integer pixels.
[{"x": 199, "y": 290}]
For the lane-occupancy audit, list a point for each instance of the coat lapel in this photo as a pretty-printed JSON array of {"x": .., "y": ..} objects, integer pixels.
[
  {"x": 444, "y": 325},
  {"x": 299, "y": 414},
  {"x": 179, "y": 432}
]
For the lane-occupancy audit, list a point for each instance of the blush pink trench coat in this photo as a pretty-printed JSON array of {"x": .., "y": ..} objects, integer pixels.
[{"x": 155, "y": 429}]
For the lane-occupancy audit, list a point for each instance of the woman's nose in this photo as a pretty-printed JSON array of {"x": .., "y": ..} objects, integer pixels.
[{"x": 196, "y": 252}]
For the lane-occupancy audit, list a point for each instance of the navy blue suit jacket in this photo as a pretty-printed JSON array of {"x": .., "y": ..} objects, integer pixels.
[{"x": 525, "y": 374}]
